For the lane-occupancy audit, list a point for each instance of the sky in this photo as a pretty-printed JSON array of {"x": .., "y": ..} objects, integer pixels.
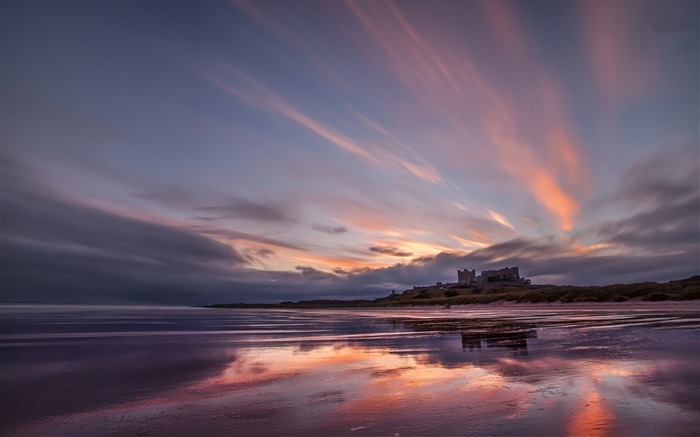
[{"x": 195, "y": 152}]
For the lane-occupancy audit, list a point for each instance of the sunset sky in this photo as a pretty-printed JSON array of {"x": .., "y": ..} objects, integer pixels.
[{"x": 257, "y": 151}]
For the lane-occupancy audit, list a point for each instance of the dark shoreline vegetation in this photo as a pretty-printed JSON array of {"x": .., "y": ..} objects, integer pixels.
[{"x": 685, "y": 289}]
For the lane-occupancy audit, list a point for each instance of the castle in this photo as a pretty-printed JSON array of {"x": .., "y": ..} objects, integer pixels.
[
  {"x": 507, "y": 276},
  {"x": 490, "y": 278}
]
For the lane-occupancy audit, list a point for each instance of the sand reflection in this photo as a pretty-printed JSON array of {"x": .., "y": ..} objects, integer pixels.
[
  {"x": 268, "y": 364},
  {"x": 593, "y": 417},
  {"x": 396, "y": 376}
]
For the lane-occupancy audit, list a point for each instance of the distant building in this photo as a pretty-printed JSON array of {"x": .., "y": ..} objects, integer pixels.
[
  {"x": 507, "y": 276},
  {"x": 491, "y": 278},
  {"x": 466, "y": 277}
]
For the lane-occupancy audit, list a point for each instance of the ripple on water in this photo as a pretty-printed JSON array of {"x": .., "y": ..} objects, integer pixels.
[{"x": 407, "y": 372}]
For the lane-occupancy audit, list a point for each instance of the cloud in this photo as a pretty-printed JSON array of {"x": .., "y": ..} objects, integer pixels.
[
  {"x": 313, "y": 274},
  {"x": 293, "y": 39},
  {"x": 544, "y": 261},
  {"x": 169, "y": 196},
  {"x": 481, "y": 103},
  {"x": 257, "y": 255},
  {"x": 390, "y": 250},
  {"x": 233, "y": 235},
  {"x": 613, "y": 39},
  {"x": 262, "y": 252},
  {"x": 56, "y": 250},
  {"x": 375, "y": 151},
  {"x": 500, "y": 219},
  {"x": 246, "y": 210},
  {"x": 660, "y": 199},
  {"x": 674, "y": 17},
  {"x": 665, "y": 228},
  {"x": 661, "y": 178},
  {"x": 331, "y": 230},
  {"x": 340, "y": 271}
]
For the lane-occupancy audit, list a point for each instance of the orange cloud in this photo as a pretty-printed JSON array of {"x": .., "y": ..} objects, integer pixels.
[
  {"x": 552, "y": 197},
  {"x": 585, "y": 249},
  {"x": 551, "y": 168},
  {"x": 504, "y": 25},
  {"x": 563, "y": 150},
  {"x": 264, "y": 98},
  {"x": 500, "y": 219},
  {"x": 623, "y": 66},
  {"x": 519, "y": 161},
  {"x": 470, "y": 244},
  {"x": 331, "y": 262}
]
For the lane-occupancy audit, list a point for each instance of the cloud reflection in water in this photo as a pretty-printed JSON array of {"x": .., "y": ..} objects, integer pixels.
[{"x": 402, "y": 372}]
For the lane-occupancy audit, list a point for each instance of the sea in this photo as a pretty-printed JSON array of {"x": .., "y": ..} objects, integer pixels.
[{"x": 509, "y": 370}]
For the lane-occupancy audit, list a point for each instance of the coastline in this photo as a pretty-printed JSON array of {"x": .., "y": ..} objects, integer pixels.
[
  {"x": 690, "y": 305},
  {"x": 672, "y": 294},
  {"x": 684, "y": 305}
]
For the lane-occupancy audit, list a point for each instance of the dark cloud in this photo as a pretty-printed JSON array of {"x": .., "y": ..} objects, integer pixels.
[
  {"x": 38, "y": 221},
  {"x": 390, "y": 250},
  {"x": 314, "y": 274},
  {"x": 261, "y": 252},
  {"x": 671, "y": 17},
  {"x": 58, "y": 251},
  {"x": 661, "y": 200},
  {"x": 520, "y": 248},
  {"x": 169, "y": 196},
  {"x": 539, "y": 260},
  {"x": 236, "y": 235},
  {"x": 257, "y": 255},
  {"x": 669, "y": 226},
  {"x": 331, "y": 230},
  {"x": 660, "y": 178},
  {"x": 55, "y": 249},
  {"x": 246, "y": 210}
]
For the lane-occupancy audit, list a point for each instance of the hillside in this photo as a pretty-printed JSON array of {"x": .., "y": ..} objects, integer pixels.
[{"x": 685, "y": 289}]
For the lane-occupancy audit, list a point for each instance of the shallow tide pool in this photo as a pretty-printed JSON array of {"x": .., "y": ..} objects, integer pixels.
[{"x": 70, "y": 370}]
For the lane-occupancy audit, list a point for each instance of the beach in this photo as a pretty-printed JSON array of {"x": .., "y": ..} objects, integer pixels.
[{"x": 509, "y": 369}]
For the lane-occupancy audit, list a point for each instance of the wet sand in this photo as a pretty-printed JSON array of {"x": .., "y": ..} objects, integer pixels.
[
  {"x": 543, "y": 369},
  {"x": 690, "y": 305}
]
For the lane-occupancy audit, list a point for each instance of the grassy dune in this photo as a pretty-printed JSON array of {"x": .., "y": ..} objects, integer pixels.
[{"x": 686, "y": 289}]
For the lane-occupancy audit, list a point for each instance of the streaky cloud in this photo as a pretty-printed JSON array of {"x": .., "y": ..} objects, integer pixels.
[
  {"x": 258, "y": 95},
  {"x": 330, "y": 230},
  {"x": 659, "y": 197},
  {"x": 550, "y": 165},
  {"x": 56, "y": 250},
  {"x": 247, "y": 210},
  {"x": 390, "y": 250},
  {"x": 499, "y": 218}
]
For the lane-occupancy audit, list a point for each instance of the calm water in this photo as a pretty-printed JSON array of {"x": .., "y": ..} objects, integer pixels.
[{"x": 501, "y": 371}]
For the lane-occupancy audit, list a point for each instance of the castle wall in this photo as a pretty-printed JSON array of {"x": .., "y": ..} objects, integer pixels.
[
  {"x": 466, "y": 277},
  {"x": 491, "y": 278}
]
